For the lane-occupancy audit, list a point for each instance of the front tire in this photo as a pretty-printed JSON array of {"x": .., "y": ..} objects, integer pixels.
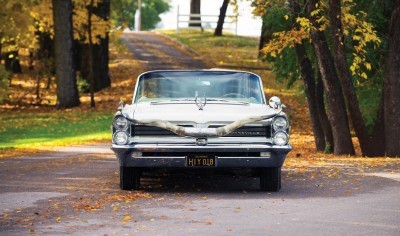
[
  {"x": 129, "y": 178},
  {"x": 270, "y": 179}
]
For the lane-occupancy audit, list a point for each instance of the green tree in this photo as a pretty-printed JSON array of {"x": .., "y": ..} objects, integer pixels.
[
  {"x": 123, "y": 13},
  {"x": 348, "y": 54}
]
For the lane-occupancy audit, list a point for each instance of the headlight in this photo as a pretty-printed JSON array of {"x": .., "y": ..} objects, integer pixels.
[
  {"x": 280, "y": 123},
  {"x": 281, "y": 138},
  {"x": 120, "y": 138},
  {"x": 120, "y": 123}
]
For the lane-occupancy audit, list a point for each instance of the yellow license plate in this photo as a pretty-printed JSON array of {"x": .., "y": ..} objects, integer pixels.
[{"x": 200, "y": 160}]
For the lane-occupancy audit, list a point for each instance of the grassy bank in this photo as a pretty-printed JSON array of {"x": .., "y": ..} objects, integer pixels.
[
  {"x": 27, "y": 125},
  {"x": 32, "y": 130}
]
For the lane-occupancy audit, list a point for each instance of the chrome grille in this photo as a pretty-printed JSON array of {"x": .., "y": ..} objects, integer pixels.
[{"x": 245, "y": 131}]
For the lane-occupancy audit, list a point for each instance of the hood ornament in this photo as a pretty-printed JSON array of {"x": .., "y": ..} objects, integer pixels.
[{"x": 200, "y": 102}]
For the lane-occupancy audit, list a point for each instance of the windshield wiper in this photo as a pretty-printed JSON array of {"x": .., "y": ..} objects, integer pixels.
[
  {"x": 193, "y": 99},
  {"x": 224, "y": 100},
  {"x": 174, "y": 100}
]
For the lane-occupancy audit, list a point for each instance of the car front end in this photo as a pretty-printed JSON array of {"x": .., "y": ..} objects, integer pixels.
[{"x": 224, "y": 130}]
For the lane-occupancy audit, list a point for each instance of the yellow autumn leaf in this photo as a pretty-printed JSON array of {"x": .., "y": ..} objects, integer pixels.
[
  {"x": 126, "y": 218},
  {"x": 367, "y": 65},
  {"x": 58, "y": 219},
  {"x": 286, "y": 17},
  {"x": 364, "y": 75}
]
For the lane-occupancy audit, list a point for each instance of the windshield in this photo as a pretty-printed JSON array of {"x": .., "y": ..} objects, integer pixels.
[{"x": 161, "y": 86}]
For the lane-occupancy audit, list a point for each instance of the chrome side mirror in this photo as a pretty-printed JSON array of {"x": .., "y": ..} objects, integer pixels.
[{"x": 275, "y": 103}]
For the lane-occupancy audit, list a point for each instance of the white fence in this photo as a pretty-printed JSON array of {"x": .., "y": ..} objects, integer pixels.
[{"x": 206, "y": 22}]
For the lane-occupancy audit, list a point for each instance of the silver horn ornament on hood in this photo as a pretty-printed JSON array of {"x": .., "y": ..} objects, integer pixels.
[{"x": 206, "y": 132}]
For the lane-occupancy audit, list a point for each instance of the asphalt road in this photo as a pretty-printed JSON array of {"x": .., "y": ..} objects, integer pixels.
[
  {"x": 75, "y": 190},
  {"x": 157, "y": 52}
]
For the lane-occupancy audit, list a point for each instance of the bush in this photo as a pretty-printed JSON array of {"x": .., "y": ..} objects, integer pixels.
[
  {"x": 4, "y": 80},
  {"x": 82, "y": 84}
]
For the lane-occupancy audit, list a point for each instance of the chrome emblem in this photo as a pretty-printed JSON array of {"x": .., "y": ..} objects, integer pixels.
[
  {"x": 200, "y": 102},
  {"x": 201, "y": 142}
]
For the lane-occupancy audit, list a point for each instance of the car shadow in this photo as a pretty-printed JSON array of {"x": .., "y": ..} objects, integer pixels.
[{"x": 294, "y": 184}]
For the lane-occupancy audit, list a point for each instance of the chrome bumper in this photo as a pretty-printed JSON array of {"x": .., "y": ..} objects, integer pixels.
[{"x": 241, "y": 158}]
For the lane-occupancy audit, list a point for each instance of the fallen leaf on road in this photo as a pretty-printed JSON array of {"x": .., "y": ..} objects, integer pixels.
[{"x": 126, "y": 218}]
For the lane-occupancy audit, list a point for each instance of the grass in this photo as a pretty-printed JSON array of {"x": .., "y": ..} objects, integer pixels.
[
  {"x": 224, "y": 51},
  {"x": 27, "y": 126},
  {"x": 33, "y": 130}
]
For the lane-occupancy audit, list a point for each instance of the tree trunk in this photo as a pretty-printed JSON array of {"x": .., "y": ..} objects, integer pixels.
[
  {"x": 46, "y": 45},
  {"x": 221, "y": 18},
  {"x": 11, "y": 62},
  {"x": 337, "y": 110},
  {"x": 265, "y": 37},
  {"x": 90, "y": 48},
  {"x": 195, "y": 8},
  {"x": 99, "y": 56},
  {"x": 378, "y": 136},
  {"x": 323, "y": 117},
  {"x": 67, "y": 92},
  {"x": 307, "y": 74},
  {"x": 100, "y": 64},
  {"x": 346, "y": 79},
  {"x": 392, "y": 86}
]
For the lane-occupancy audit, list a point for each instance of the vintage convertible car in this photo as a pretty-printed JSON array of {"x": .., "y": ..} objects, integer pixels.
[{"x": 200, "y": 119}]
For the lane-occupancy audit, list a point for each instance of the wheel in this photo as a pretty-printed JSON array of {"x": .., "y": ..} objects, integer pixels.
[
  {"x": 270, "y": 179},
  {"x": 129, "y": 178}
]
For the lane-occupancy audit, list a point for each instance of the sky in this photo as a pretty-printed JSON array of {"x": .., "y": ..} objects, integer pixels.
[{"x": 247, "y": 24}]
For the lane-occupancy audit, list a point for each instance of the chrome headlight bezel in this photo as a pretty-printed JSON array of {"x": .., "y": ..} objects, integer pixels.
[
  {"x": 278, "y": 136},
  {"x": 277, "y": 125},
  {"x": 120, "y": 134},
  {"x": 120, "y": 123}
]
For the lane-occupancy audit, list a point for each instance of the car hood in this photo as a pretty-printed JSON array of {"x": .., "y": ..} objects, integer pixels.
[{"x": 211, "y": 113}]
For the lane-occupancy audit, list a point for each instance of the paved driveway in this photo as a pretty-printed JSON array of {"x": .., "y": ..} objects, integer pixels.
[
  {"x": 75, "y": 191},
  {"x": 156, "y": 52}
]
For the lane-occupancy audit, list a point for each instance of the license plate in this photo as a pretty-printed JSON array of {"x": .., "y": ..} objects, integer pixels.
[{"x": 200, "y": 160}]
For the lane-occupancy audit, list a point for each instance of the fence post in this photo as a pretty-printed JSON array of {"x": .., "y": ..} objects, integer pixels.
[
  {"x": 236, "y": 24},
  {"x": 177, "y": 21}
]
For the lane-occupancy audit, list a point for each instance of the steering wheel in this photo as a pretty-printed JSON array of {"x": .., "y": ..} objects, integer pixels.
[{"x": 233, "y": 95}]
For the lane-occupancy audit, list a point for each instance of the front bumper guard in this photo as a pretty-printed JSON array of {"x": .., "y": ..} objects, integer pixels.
[{"x": 125, "y": 155}]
